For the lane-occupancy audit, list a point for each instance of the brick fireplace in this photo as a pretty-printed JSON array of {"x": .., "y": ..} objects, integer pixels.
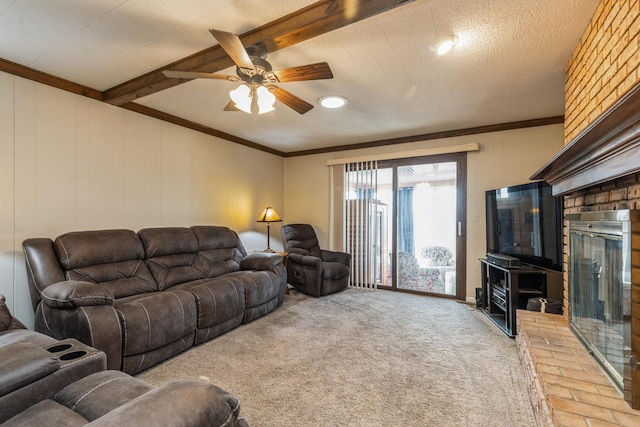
[{"x": 599, "y": 170}]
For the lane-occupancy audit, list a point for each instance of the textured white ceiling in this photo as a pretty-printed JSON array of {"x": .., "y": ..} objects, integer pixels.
[{"x": 508, "y": 65}]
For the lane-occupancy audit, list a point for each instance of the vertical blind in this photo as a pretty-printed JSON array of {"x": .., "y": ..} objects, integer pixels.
[{"x": 360, "y": 222}]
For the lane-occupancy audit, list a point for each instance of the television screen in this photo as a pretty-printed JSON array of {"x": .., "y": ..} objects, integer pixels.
[{"x": 525, "y": 221}]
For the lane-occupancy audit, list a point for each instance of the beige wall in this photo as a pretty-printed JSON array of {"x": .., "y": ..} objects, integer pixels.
[
  {"x": 506, "y": 158},
  {"x": 71, "y": 163}
]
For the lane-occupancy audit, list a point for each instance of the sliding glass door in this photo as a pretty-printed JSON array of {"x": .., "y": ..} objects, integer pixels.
[{"x": 406, "y": 224}]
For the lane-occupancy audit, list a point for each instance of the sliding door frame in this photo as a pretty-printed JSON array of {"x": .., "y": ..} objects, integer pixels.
[{"x": 461, "y": 219}]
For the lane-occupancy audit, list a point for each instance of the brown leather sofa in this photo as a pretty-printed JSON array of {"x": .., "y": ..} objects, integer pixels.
[
  {"x": 44, "y": 381},
  {"x": 144, "y": 297}
]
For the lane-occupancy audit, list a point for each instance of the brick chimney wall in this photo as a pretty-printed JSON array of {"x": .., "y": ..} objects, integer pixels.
[{"x": 604, "y": 65}]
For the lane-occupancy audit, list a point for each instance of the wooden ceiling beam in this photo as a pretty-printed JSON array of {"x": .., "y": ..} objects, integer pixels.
[{"x": 314, "y": 20}]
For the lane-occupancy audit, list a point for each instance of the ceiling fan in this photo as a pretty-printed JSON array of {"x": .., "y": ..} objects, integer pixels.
[{"x": 258, "y": 90}]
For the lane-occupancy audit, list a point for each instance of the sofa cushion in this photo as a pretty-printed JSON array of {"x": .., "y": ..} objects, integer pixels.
[
  {"x": 99, "y": 393},
  {"x": 218, "y": 300},
  {"x": 220, "y": 250},
  {"x": 23, "y": 364},
  {"x": 111, "y": 258},
  {"x": 47, "y": 413},
  {"x": 28, "y": 336},
  {"x": 260, "y": 286},
  {"x": 301, "y": 239},
  {"x": 152, "y": 321},
  {"x": 171, "y": 255}
]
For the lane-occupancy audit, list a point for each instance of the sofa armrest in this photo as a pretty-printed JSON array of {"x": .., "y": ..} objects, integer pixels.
[
  {"x": 260, "y": 261},
  {"x": 307, "y": 260},
  {"x": 305, "y": 273},
  {"x": 97, "y": 326},
  {"x": 73, "y": 294},
  {"x": 332, "y": 256},
  {"x": 23, "y": 364}
]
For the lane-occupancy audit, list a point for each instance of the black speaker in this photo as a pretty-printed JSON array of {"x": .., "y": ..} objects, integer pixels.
[{"x": 479, "y": 298}]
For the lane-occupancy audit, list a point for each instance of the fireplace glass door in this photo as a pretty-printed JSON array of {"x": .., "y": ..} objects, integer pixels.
[{"x": 600, "y": 291}]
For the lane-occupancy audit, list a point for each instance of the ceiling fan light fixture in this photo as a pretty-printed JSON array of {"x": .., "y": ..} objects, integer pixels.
[
  {"x": 265, "y": 100},
  {"x": 241, "y": 96},
  {"x": 333, "y": 101},
  {"x": 444, "y": 45}
]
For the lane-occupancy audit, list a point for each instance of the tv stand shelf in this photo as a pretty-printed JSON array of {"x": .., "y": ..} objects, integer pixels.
[{"x": 506, "y": 289}]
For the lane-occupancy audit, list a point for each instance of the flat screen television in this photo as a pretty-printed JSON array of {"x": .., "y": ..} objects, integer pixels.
[{"x": 525, "y": 221}]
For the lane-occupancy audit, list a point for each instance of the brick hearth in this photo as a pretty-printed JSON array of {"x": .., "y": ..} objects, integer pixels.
[{"x": 566, "y": 385}]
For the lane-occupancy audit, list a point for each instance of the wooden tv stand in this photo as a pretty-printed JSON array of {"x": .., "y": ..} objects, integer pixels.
[{"x": 506, "y": 289}]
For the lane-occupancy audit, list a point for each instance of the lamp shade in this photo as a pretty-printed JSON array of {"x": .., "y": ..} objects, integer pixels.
[
  {"x": 241, "y": 96},
  {"x": 269, "y": 215},
  {"x": 265, "y": 100}
]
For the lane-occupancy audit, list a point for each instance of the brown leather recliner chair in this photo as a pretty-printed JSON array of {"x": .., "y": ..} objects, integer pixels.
[{"x": 310, "y": 269}]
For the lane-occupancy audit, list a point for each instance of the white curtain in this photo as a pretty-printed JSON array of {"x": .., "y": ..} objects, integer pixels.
[{"x": 361, "y": 224}]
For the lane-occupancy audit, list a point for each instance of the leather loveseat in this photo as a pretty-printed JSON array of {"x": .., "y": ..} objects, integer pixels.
[
  {"x": 144, "y": 297},
  {"x": 44, "y": 381}
]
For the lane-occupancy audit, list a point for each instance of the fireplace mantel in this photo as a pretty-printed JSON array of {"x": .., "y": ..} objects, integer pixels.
[{"x": 607, "y": 149}]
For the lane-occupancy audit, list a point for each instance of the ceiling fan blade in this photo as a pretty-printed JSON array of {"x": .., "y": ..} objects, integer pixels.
[
  {"x": 231, "y": 106},
  {"x": 290, "y": 100},
  {"x": 233, "y": 46},
  {"x": 198, "y": 75},
  {"x": 316, "y": 71}
]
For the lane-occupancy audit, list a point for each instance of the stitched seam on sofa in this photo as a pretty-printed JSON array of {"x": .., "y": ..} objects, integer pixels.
[
  {"x": 184, "y": 320},
  {"x": 48, "y": 298},
  {"x": 83, "y": 359},
  {"x": 245, "y": 295},
  {"x": 206, "y": 337},
  {"x": 233, "y": 412},
  {"x": 46, "y": 323},
  {"x": 33, "y": 278},
  {"x": 84, "y": 277},
  {"x": 77, "y": 402},
  {"x": 120, "y": 355},
  {"x": 211, "y": 269},
  {"x": 148, "y": 323},
  {"x": 254, "y": 281},
  {"x": 123, "y": 332},
  {"x": 121, "y": 352},
  {"x": 139, "y": 363},
  {"x": 215, "y": 304},
  {"x": 66, "y": 254},
  {"x": 83, "y": 310},
  {"x": 135, "y": 271},
  {"x": 166, "y": 273}
]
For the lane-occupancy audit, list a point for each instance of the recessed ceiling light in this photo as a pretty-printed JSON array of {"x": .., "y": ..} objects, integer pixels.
[
  {"x": 444, "y": 45},
  {"x": 333, "y": 101}
]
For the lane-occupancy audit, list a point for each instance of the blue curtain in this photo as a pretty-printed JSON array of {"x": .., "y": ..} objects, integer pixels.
[
  {"x": 365, "y": 193},
  {"x": 405, "y": 220}
]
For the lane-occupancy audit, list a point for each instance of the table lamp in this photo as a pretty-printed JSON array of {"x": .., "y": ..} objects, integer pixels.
[{"x": 269, "y": 215}]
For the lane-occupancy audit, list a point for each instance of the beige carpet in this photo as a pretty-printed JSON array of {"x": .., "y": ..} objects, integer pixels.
[{"x": 364, "y": 358}]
